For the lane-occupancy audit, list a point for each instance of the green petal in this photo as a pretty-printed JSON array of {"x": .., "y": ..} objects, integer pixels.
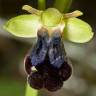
[
  {"x": 77, "y": 31},
  {"x": 23, "y": 25}
]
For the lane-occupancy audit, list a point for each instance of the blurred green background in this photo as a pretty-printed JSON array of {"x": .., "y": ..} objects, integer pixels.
[{"x": 14, "y": 49}]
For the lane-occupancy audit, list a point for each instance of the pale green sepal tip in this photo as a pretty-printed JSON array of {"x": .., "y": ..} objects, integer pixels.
[
  {"x": 77, "y": 31},
  {"x": 23, "y": 25}
]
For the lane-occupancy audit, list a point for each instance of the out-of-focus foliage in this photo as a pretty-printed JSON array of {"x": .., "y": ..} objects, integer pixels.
[{"x": 11, "y": 87}]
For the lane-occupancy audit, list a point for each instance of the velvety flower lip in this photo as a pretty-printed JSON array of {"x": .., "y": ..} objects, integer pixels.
[
  {"x": 65, "y": 71},
  {"x": 49, "y": 59},
  {"x": 53, "y": 83},
  {"x": 35, "y": 80}
]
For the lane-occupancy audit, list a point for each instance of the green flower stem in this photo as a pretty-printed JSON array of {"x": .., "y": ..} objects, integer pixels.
[
  {"x": 41, "y": 4},
  {"x": 62, "y": 5},
  {"x": 30, "y": 91}
]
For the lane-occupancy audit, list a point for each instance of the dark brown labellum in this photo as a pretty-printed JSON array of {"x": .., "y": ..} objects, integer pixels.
[
  {"x": 48, "y": 56},
  {"x": 35, "y": 80},
  {"x": 53, "y": 83},
  {"x": 65, "y": 71}
]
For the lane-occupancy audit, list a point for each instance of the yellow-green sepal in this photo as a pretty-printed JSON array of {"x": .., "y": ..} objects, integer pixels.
[
  {"x": 78, "y": 31},
  {"x": 51, "y": 17},
  {"x": 23, "y": 25}
]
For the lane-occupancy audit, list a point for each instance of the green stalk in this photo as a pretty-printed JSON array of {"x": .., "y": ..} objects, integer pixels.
[
  {"x": 30, "y": 91},
  {"x": 63, "y": 5},
  {"x": 41, "y": 4}
]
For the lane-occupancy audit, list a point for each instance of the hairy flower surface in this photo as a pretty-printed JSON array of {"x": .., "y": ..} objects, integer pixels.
[{"x": 49, "y": 58}]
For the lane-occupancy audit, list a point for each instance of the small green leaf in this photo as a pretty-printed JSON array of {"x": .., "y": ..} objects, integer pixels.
[
  {"x": 23, "y": 25},
  {"x": 77, "y": 31}
]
